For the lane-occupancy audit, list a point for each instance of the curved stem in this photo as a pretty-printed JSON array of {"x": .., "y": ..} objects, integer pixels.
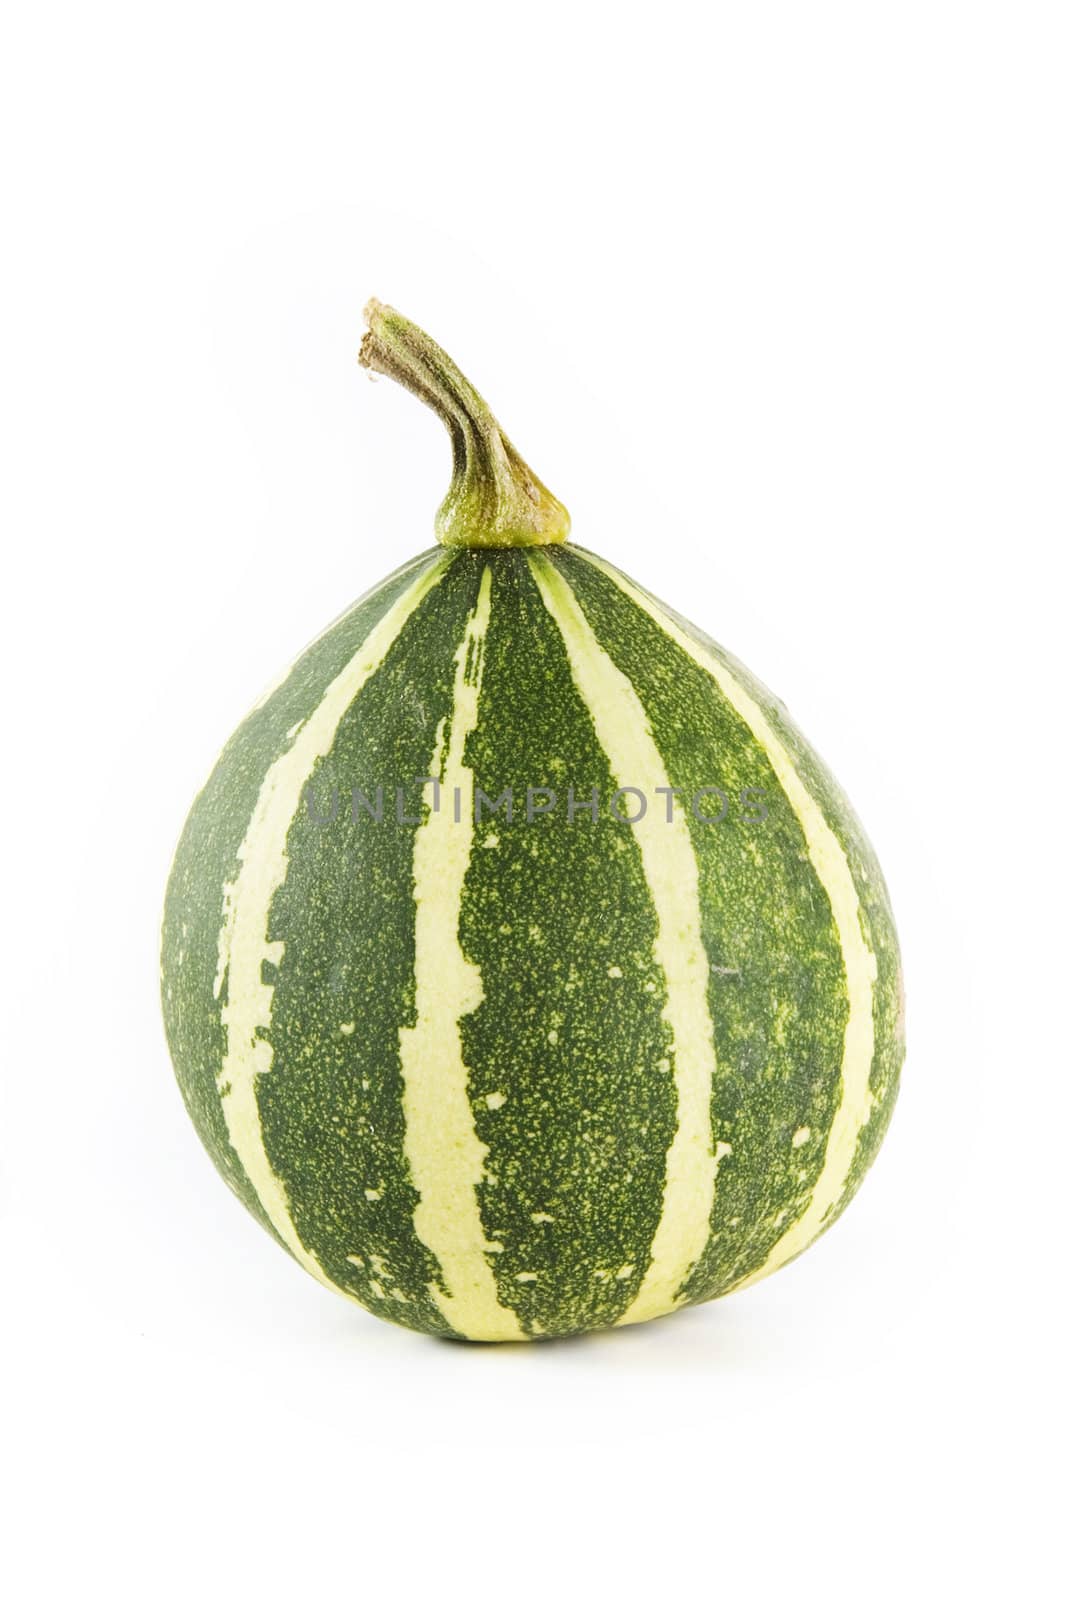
[{"x": 494, "y": 498}]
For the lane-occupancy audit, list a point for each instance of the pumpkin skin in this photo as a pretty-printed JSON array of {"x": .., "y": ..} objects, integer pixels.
[{"x": 511, "y": 1079}]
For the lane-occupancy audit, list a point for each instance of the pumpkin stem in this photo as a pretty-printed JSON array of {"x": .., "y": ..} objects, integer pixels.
[{"x": 494, "y": 498}]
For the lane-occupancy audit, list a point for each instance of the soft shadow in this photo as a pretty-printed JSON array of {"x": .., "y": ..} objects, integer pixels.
[{"x": 719, "y": 1337}]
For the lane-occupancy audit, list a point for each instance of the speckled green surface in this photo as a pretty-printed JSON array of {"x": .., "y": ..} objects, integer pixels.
[
  {"x": 206, "y": 859},
  {"x": 565, "y": 1054},
  {"x": 549, "y": 912},
  {"x": 776, "y": 988}
]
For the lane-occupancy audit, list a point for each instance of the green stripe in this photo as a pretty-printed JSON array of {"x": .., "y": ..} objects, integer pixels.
[
  {"x": 331, "y": 1108},
  {"x": 876, "y": 915},
  {"x": 777, "y": 987},
  {"x": 550, "y": 911},
  {"x": 206, "y": 859}
]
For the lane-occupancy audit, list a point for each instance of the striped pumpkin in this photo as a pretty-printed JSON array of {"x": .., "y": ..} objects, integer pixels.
[{"x": 503, "y": 1078}]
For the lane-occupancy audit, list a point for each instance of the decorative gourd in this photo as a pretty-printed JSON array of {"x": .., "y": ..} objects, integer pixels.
[{"x": 524, "y": 970}]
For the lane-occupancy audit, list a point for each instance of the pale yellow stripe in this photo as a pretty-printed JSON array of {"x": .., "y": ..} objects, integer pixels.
[
  {"x": 670, "y": 870},
  {"x": 861, "y": 966},
  {"x": 244, "y": 944},
  {"x": 445, "y": 1154}
]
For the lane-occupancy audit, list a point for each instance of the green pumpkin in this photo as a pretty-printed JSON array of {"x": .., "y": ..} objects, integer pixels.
[{"x": 524, "y": 969}]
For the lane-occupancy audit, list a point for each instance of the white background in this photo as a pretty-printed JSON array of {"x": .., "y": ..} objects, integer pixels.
[{"x": 773, "y": 296}]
